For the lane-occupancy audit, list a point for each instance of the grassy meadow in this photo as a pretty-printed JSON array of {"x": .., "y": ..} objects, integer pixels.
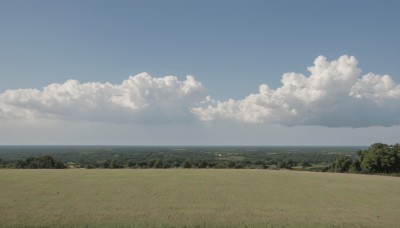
[{"x": 196, "y": 198}]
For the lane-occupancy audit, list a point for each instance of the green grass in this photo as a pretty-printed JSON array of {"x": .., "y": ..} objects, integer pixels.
[{"x": 196, "y": 198}]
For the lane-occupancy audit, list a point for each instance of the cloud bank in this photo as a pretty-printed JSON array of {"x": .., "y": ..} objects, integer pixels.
[
  {"x": 334, "y": 94},
  {"x": 140, "y": 98}
]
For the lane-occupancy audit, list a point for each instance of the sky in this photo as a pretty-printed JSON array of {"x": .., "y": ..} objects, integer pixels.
[{"x": 199, "y": 72}]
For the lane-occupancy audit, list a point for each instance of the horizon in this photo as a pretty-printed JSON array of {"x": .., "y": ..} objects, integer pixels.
[{"x": 180, "y": 146}]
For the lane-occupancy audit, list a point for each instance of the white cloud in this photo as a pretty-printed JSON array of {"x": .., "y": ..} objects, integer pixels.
[
  {"x": 335, "y": 94},
  {"x": 139, "y": 98}
]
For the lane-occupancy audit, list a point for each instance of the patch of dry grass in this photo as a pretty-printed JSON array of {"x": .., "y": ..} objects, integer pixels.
[{"x": 178, "y": 198}]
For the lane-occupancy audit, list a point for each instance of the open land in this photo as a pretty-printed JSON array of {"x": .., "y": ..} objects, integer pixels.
[{"x": 196, "y": 198}]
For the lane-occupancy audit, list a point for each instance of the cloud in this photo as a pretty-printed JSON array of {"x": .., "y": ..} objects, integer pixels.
[
  {"x": 140, "y": 98},
  {"x": 335, "y": 94}
]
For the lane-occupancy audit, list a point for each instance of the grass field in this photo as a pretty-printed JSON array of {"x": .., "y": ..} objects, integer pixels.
[{"x": 196, "y": 198}]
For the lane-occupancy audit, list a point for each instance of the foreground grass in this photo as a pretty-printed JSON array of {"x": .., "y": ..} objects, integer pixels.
[{"x": 212, "y": 198}]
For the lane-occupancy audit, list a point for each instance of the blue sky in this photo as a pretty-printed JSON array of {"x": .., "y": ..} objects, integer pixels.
[{"x": 230, "y": 47}]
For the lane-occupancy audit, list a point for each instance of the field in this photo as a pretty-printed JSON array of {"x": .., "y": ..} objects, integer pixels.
[{"x": 196, "y": 198}]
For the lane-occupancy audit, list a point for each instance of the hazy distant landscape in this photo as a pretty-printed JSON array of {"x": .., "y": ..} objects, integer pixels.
[
  {"x": 276, "y": 157},
  {"x": 378, "y": 158}
]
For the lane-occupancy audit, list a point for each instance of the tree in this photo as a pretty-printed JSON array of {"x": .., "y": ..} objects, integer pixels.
[
  {"x": 231, "y": 164},
  {"x": 129, "y": 164},
  {"x": 370, "y": 163},
  {"x": 186, "y": 164},
  {"x": 3, "y": 163},
  {"x": 285, "y": 164},
  {"x": 380, "y": 158},
  {"x": 342, "y": 164},
  {"x": 202, "y": 164},
  {"x": 106, "y": 164},
  {"x": 355, "y": 167},
  {"x": 115, "y": 164},
  {"x": 158, "y": 164}
]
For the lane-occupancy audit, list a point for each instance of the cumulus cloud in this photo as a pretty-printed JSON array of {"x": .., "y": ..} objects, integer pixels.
[
  {"x": 335, "y": 94},
  {"x": 139, "y": 98}
]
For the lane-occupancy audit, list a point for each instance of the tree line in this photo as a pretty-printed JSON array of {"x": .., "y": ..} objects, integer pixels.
[
  {"x": 378, "y": 158},
  {"x": 45, "y": 162}
]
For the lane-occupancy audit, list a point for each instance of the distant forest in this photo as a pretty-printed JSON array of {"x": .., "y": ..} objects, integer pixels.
[{"x": 378, "y": 158}]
